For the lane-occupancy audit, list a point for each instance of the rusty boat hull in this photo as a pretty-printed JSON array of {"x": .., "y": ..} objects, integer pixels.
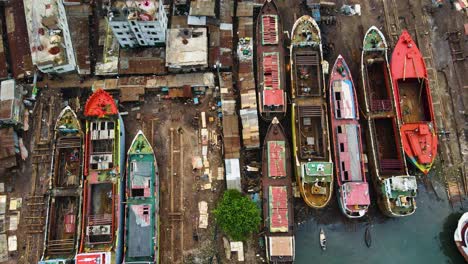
[
  {"x": 270, "y": 54},
  {"x": 395, "y": 188},
  {"x": 62, "y": 234},
  {"x": 278, "y": 208},
  {"x": 313, "y": 165}
]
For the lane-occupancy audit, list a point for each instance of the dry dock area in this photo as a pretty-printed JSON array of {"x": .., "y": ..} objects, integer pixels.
[{"x": 186, "y": 131}]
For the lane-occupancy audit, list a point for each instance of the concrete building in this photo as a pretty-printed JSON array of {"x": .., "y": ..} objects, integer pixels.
[
  {"x": 187, "y": 49},
  {"x": 11, "y": 106},
  {"x": 49, "y": 36},
  {"x": 138, "y": 22}
]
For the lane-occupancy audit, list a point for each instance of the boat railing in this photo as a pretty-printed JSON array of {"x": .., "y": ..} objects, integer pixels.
[
  {"x": 99, "y": 229},
  {"x": 381, "y": 105},
  {"x": 60, "y": 246},
  {"x": 104, "y": 219},
  {"x": 387, "y": 165},
  {"x": 69, "y": 142}
]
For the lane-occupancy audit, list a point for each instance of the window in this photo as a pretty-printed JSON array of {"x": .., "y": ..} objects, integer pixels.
[
  {"x": 150, "y": 26},
  {"x": 116, "y": 27},
  {"x": 139, "y": 35},
  {"x": 119, "y": 33},
  {"x": 124, "y": 39},
  {"x": 337, "y": 96}
]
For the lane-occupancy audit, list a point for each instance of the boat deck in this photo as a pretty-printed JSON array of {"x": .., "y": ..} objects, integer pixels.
[
  {"x": 378, "y": 85},
  {"x": 276, "y": 159},
  {"x": 350, "y": 162},
  {"x": 312, "y": 144},
  {"x": 389, "y": 156},
  {"x": 278, "y": 208},
  {"x": 306, "y": 73},
  {"x": 140, "y": 231},
  {"x": 62, "y": 236},
  {"x": 412, "y": 95},
  {"x": 345, "y": 125},
  {"x": 68, "y": 162},
  {"x": 270, "y": 69},
  {"x": 276, "y": 182}
]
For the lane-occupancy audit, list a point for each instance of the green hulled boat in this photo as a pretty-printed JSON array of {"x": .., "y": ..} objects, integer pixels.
[{"x": 142, "y": 205}]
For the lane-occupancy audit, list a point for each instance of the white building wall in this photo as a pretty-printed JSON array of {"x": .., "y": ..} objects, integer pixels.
[
  {"x": 66, "y": 45},
  {"x": 131, "y": 33},
  {"x": 62, "y": 18}
]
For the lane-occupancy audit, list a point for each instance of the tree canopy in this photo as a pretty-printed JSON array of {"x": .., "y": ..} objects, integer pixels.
[{"x": 237, "y": 215}]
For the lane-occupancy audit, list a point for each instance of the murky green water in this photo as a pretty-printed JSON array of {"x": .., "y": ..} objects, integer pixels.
[{"x": 425, "y": 237}]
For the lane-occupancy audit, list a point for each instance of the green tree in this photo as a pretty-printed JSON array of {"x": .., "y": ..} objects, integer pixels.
[{"x": 237, "y": 215}]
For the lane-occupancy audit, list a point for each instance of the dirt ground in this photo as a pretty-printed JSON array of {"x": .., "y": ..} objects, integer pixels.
[
  {"x": 171, "y": 128},
  {"x": 174, "y": 131}
]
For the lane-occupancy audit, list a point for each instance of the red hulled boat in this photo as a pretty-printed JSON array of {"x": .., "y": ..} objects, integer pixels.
[
  {"x": 415, "y": 109},
  {"x": 104, "y": 156},
  {"x": 278, "y": 210},
  {"x": 270, "y": 58},
  {"x": 346, "y": 133}
]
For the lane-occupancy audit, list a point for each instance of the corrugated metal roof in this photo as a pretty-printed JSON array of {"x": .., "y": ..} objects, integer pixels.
[
  {"x": 78, "y": 18},
  {"x": 3, "y": 62},
  {"x": 7, "y": 143},
  {"x": 202, "y": 8},
  {"x": 233, "y": 179},
  {"x": 245, "y": 27},
  {"x": 226, "y": 11},
  {"x": 244, "y": 9},
  {"x": 18, "y": 40},
  {"x": 149, "y": 60},
  {"x": 179, "y": 80}
]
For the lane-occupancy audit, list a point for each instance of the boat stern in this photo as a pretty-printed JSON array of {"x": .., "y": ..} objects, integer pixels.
[
  {"x": 93, "y": 258},
  {"x": 316, "y": 183},
  {"x": 354, "y": 199},
  {"x": 400, "y": 195},
  {"x": 420, "y": 144}
]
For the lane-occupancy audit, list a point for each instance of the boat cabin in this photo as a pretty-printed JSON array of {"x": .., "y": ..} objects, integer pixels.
[{"x": 102, "y": 145}]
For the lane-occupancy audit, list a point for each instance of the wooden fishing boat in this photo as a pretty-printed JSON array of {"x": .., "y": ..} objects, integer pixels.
[
  {"x": 270, "y": 62},
  {"x": 353, "y": 190},
  {"x": 278, "y": 211},
  {"x": 311, "y": 140},
  {"x": 396, "y": 189},
  {"x": 64, "y": 195},
  {"x": 142, "y": 203},
  {"x": 102, "y": 223},
  {"x": 461, "y": 236},
  {"x": 412, "y": 91},
  {"x": 322, "y": 239}
]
